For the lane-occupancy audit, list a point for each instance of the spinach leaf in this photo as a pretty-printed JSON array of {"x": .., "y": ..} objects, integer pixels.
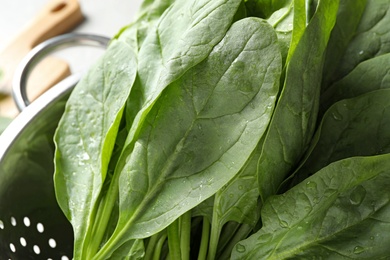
[
  {"x": 341, "y": 212},
  {"x": 369, "y": 75},
  {"x": 280, "y": 15},
  {"x": 288, "y": 17},
  {"x": 352, "y": 127},
  {"x": 149, "y": 13},
  {"x": 265, "y": 8},
  {"x": 204, "y": 209},
  {"x": 132, "y": 250},
  {"x": 176, "y": 44},
  {"x": 371, "y": 39},
  {"x": 299, "y": 26},
  {"x": 86, "y": 136},
  {"x": 342, "y": 33},
  {"x": 153, "y": 7},
  {"x": 236, "y": 201},
  {"x": 294, "y": 120},
  {"x": 227, "y": 100},
  {"x": 172, "y": 45}
]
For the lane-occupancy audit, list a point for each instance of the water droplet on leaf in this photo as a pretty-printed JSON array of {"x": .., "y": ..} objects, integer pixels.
[
  {"x": 264, "y": 238},
  {"x": 283, "y": 224},
  {"x": 358, "y": 250},
  {"x": 240, "y": 248},
  {"x": 311, "y": 185},
  {"x": 357, "y": 195},
  {"x": 337, "y": 116}
]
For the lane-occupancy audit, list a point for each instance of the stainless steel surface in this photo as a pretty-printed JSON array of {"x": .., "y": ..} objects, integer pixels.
[
  {"x": 27, "y": 64},
  {"x": 32, "y": 226}
]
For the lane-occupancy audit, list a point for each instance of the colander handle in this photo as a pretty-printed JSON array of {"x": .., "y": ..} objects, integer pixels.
[{"x": 25, "y": 67}]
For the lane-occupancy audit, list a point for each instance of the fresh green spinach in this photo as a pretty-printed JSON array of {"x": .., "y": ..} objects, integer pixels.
[
  {"x": 84, "y": 150},
  {"x": 203, "y": 106},
  {"x": 343, "y": 132},
  {"x": 295, "y": 116},
  {"x": 233, "y": 129},
  {"x": 341, "y": 212}
]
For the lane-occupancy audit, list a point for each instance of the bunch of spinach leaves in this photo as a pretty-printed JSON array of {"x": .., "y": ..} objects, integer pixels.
[{"x": 242, "y": 129}]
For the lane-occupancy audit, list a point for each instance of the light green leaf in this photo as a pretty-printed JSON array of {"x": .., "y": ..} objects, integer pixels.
[
  {"x": 295, "y": 115},
  {"x": 148, "y": 15},
  {"x": 183, "y": 37},
  {"x": 237, "y": 201},
  {"x": 341, "y": 212},
  {"x": 132, "y": 250},
  {"x": 86, "y": 136},
  {"x": 173, "y": 167},
  {"x": 298, "y": 26}
]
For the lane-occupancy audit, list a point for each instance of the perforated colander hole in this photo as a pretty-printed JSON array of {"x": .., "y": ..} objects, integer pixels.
[
  {"x": 26, "y": 221},
  {"x": 1, "y": 224},
  {"x": 12, "y": 247},
  {"x": 13, "y": 221},
  {"x": 64, "y": 257},
  {"x": 40, "y": 228},
  {"x": 52, "y": 243},
  {"x": 23, "y": 242},
  {"x": 36, "y": 249}
]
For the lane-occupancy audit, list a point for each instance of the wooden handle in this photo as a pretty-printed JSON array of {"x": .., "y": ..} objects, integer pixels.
[{"x": 57, "y": 17}]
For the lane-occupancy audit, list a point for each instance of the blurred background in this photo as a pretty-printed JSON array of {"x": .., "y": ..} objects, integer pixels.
[
  {"x": 19, "y": 17},
  {"x": 103, "y": 17}
]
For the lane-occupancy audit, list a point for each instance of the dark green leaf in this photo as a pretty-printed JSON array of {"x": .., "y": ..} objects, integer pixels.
[
  {"x": 372, "y": 74},
  {"x": 372, "y": 38},
  {"x": 348, "y": 19},
  {"x": 265, "y": 8},
  {"x": 352, "y": 127},
  {"x": 341, "y": 212},
  {"x": 294, "y": 120}
]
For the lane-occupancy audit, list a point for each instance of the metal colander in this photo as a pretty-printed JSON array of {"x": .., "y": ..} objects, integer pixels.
[{"x": 32, "y": 226}]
